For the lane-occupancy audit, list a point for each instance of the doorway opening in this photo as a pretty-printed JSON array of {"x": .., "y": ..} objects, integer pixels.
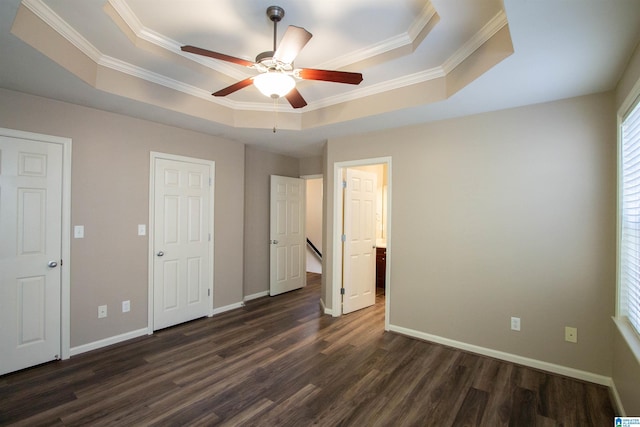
[
  {"x": 382, "y": 167},
  {"x": 313, "y": 225}
]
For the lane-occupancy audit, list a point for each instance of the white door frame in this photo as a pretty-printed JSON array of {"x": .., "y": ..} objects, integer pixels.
[
  {"x": 338, "y": 208},
  {"x": 151, "y": 256},
  {"x": 65, "y": 265}
]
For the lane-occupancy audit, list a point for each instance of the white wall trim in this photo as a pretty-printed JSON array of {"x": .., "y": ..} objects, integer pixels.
[
  {"x": 617, "y": 402},
  {"x": 151, "y": 251},
  {"x": 509, "y": 357},
  {"x": 324, "y": 308},
  {"x": 108, "y": 341},
  {"x": 65, "y": 267},
  {"x": 227, "y": 308},
  {"x": 256, "y": 296}
]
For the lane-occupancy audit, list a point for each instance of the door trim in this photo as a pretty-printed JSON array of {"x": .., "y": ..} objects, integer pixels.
[
  {"x": 336, "y": 280},
  {"x": 151, "y": 255},
  {"x": 65, "y": 267}
]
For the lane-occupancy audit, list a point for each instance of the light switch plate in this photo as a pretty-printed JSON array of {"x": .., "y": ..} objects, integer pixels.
[
  {"x": 78, "y": 232},
  {"x": 142, "y": 229}
]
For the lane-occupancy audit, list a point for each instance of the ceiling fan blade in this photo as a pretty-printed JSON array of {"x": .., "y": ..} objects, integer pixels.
[
  {"x": 329, "y": 76},
  {"x": 216, "y": 55},
  {"x": 294, "y": 39},
  {"x": 295, "y": 99},
  {"x": 234, "y": 87}
]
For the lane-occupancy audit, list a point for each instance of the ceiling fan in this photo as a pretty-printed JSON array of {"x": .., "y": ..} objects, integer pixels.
[{"x": 277, "y": 76}]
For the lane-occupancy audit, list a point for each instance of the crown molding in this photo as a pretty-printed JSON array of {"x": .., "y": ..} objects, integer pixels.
[
  {"x": 52, "y": 19},
  {"x": 121, "y": 7},
  {"x": 401, "y": 41},
  {"x": 40, "y": 9},
  {"x": 386, "y": 86},
  {"x": 486, "y": 32}
]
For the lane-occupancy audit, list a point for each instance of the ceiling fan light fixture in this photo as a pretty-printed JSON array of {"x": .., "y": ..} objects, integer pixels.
[{"x": 274, "y": 84}]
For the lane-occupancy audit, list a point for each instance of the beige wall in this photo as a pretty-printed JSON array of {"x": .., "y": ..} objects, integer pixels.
[
  {"x": 626, "y": 363},
  {"x": 110, "y": 192},
  {"x": 311, "y": 166},
  {"x": 259, "y": 166},
  {"x": 510, "y": 213}
]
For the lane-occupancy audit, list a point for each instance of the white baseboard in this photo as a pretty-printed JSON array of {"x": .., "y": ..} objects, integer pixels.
[
  {"x": 324, "y": 308},
  {"x": 227, "y": 308},
  {"x": 514, "y": 358},
  {"x": 617, "y": 402},
  {"x": 256, "y": 296},
  {"x": 74, "y": 351}
]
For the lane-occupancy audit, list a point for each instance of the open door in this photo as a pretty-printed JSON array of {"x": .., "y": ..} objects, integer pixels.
[
  {"x": 359, "y": 280},
  {"x": 287, "y": 234}
]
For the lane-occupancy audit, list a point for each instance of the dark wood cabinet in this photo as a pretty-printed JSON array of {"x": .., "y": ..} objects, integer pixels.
[{"x": 381, "y": 266}]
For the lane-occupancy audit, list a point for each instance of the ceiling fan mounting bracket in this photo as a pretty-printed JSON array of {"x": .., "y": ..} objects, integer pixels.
[{"x": 275, "y": 13}]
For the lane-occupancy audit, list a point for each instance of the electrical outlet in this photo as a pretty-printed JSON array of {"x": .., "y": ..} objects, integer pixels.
[
  {"x": 102, "y": 311},
  {"x": 126, "y": 306},
  {"x": 142, "y": 229},
  {"x": 78, "y": 232},
  {"x": 570, "y": 334},
  {"x": 515, "y": 323}
]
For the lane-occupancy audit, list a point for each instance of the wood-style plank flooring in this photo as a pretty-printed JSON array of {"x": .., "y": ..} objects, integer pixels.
[{"x": 280, "y": 362}]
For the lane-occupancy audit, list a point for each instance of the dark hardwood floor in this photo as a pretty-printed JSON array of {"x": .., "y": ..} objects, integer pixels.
[{"x": 280, "y": 362}]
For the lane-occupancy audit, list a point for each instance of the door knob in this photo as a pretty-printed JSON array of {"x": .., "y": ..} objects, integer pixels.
[
  {"x": 160, "y": 253},
  {"x": 275, "y": 242},
  {"x": 52, "y": 264}
]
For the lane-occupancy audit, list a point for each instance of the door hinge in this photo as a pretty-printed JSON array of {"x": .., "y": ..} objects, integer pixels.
[
  {"x": 210, "y": 181},
  {"x": 209, "y": 236},
  {"x": 343, "y": 238},
  {"x": 344, "y": 184},
  {"x": 208, "y": 292},
  {"x": 341, "y": 291}
]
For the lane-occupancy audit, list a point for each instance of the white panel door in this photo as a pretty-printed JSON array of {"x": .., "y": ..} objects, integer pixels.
[
  {"x": 359, "y": 247},
  {"x": 287, "y": 234},
  {"x": 182, "y": 258},
  {"x": 30, "y": 252}
]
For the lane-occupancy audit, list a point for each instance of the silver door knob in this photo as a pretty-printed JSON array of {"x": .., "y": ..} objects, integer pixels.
[
  {"x": 160, "y": 253},
  {"x": 275, "y": 242},
  {"x": 52, "y": 264}
]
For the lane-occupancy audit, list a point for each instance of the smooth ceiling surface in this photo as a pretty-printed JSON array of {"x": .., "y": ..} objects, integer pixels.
[{"x": 421, "y": 60}]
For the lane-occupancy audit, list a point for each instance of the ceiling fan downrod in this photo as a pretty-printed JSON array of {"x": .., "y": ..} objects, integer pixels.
[{"x": 275, "y": 14}]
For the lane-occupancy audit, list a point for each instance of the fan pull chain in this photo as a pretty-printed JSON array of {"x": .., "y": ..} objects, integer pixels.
[{"x": 275, "y": 113}]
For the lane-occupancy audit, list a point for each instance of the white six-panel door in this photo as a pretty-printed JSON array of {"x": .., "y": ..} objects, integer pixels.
[
  {"x": 182, "y": 232},
  {"x": 30, "y": 252},
  {"x": 287, "y": 234},
  {"x": 360, "y": 239}
]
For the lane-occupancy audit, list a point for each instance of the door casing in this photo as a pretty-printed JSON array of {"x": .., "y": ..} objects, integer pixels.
[
  {"x": 338, "y": 209},
  {"x": 65, "y": 267},
  {"x": 151, "y": 253}
]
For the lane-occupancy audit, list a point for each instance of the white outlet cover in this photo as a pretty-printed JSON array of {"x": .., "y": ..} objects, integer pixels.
[
  {"x": 102, "y": 311},
  {"x": 142, "y": 229},
  {"x": 515, "y": 323},
  {"x": 78, "y": 231}
]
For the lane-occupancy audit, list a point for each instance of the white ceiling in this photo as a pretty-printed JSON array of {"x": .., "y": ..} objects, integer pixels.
[{"x": 562, "y": 48}]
